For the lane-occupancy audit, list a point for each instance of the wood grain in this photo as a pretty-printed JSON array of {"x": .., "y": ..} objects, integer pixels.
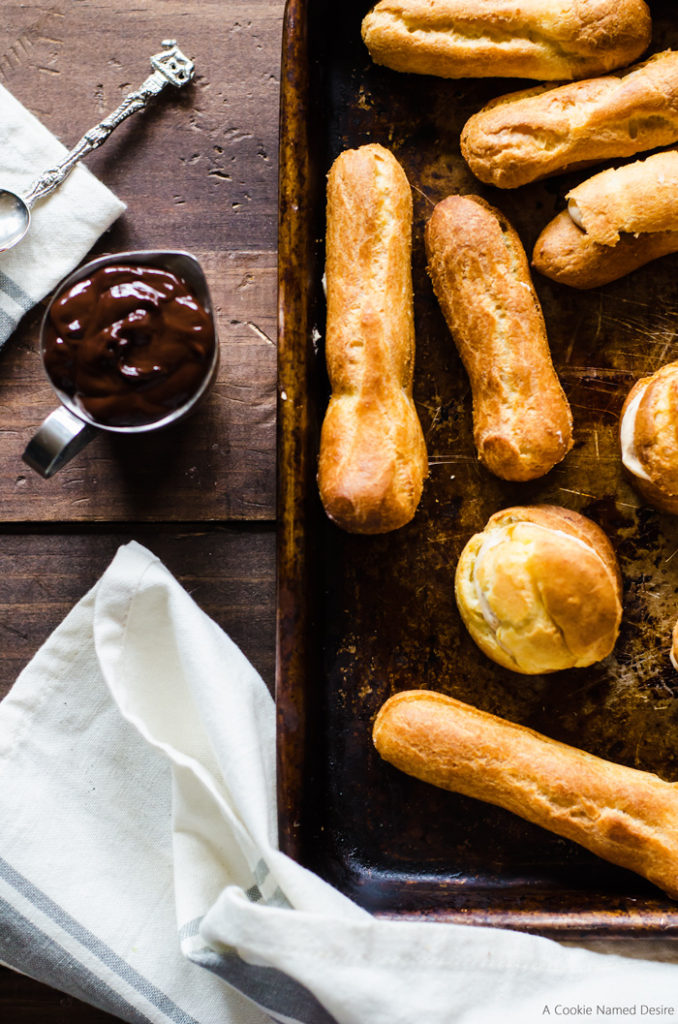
[
  {"x": 198, "y": 171},
  {"x": 217, "y": 465},
  {"x": 198, "y": 166},
  {"x": 23, "y": 1000},
  {"x": 229, "y": 572}
]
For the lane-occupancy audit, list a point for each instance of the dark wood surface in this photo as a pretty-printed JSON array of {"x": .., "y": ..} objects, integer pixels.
[{"x": 197, "y": 170}]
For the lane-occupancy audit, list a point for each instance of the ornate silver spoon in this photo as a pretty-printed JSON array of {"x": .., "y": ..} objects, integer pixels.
[{"x": 170, "y": 67}]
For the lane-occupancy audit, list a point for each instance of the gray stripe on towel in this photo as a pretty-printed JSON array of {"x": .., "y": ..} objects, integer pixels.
[
  {"x": 95, "y": 945},
  {"x": 16, "y": 292},
  {"x": 191, "y": 928},
  {"x": 272, "y": 990},
  {"x": 7, "y": 325},
  {"x": 28, "y": 949}
]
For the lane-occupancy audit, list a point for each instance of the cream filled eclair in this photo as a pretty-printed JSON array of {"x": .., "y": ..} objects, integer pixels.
[
  {"x": 539, "y": 590},
  {"x": 648, "y": 437},
  {"x": 615, "y": 222}
]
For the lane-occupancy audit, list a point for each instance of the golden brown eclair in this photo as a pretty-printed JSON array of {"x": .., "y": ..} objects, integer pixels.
[
  {"x": 539, "y": 590},
  {"x": 522, "y": 423},
  {"x": 648, "y": 436},
  {"x": 639, "y": 198},
  {"x": 569, "y": 256},
  {"x": 373, "y": 460},
  {"x": 502, "y": 38},
  {"x": 626, "y": 816},
  {"x": 615, "y": 221},
  {"x": 521, "y": 137}
]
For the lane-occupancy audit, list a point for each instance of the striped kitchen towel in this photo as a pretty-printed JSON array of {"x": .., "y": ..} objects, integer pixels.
[
  {"x": 64, "y": 226},
  {"x": 139, "y": 868}
]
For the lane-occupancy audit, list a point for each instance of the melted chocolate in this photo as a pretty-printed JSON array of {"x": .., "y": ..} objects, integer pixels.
[{"x": 128, "y": 344}]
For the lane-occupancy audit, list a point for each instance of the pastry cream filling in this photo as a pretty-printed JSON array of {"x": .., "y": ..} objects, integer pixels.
[
  {"x": 629, "y": 452},
  {"x": 491, "y": 619},
  {"x": 575, "y": 214},
  {"x": 487, "y": 613}
]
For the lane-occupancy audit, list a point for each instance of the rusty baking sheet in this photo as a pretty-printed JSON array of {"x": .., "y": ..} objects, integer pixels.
[{"x": 360, "y": 618}]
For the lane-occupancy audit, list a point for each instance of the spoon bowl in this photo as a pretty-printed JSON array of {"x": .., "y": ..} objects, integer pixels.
[{"x": 15, "y": 219}]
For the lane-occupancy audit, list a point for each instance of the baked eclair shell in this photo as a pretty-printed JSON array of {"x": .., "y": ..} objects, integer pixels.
[
  {"x": 648, "y": 430},
  {"x": 522, "y": 423},
  {"x": 626, "y": 816},
  {"x": 566, "y": 254},
  {"x": 638, "y": 198},
  {"x": 372, "y": 460},
  {"x": 504, "y": 38},
  {"x": 539, "y": 590},
  {"x": 524, "y": 136}
]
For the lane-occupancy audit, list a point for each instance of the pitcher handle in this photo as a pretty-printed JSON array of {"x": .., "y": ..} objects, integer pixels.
[{"x": 61, "y": 436}]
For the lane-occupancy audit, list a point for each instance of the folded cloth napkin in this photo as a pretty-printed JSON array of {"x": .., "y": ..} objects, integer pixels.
[
  {"x": 137, "y": 796},
  {"x": 64, "y": 226}
]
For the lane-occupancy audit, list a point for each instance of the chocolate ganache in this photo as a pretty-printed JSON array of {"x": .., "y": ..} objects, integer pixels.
[{"x": 128, "y": 344}]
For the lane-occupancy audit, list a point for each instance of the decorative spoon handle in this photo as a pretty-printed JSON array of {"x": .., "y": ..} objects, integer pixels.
[{"x": 170, "y": 66}]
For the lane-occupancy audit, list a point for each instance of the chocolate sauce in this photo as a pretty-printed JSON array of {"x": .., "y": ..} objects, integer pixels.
[{"x": 128, "y": 344}]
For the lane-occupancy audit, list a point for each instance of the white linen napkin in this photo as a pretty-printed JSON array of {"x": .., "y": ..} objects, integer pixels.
[
  {"x": 137, "y": 795},
  {"x": 64, "y": 226}
]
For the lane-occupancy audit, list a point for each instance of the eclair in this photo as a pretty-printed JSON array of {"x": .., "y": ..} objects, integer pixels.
[
  {"x": 524, "y": 136},
  {"x": 615, "y": 222},
  {"x": 532, "y": 39},
  {"x": 566, "y": 254},
  {"x": 639, "y": 198},
  {"x": 648, "y": 436},
  {"x": 626, "y": 816},
  {"x": 522, "y": 423},
  {"x": 539, "y": 590},
  {"x": 372, "y": 460}
]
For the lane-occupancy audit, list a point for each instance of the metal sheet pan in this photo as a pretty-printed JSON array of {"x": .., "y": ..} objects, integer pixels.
[{"x": 360, "y": 618}]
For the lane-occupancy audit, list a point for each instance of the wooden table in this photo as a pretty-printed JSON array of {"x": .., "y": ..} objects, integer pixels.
[{"x": 197, "y": 170}]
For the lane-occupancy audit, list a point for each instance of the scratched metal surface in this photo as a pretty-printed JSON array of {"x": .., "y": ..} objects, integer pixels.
[{"x": 383, "y": 616}]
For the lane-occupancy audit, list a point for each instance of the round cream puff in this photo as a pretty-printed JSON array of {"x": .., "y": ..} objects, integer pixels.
[
  {"x": 648, "y": 436},
  {"x": 539, "y": 590}
]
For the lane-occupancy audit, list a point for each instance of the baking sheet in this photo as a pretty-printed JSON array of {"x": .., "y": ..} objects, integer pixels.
[{"x": 360, "y": 618}]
